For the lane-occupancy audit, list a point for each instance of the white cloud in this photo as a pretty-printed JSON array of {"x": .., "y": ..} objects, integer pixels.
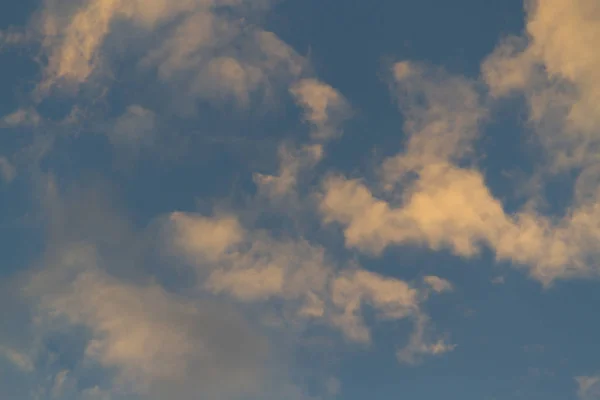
[
  {"x": 443, "y": 114},
  {"x": 419, "y": 345},
  {"x": 135, "y": 128},
  {"x": 438, "y": 284},
  {"x": 438, "y": 204},
  {"x": 7, "y": 170},
  {"x": 257, "y": 267},
  {"x": 22, "y": 117},
  {"x": 325, "y": 108},
  {"x": 156, "y": 341},
  {"x": 392, "y": 298},
  {"x": 17, "y": 358},
  {"x": 292, "y": 164},
  {"x": 208, "y": 50},
  {"x": 589, "y": 387},
  {"x": 555, "y": 66},
  {"x": 209, "y": 56}
]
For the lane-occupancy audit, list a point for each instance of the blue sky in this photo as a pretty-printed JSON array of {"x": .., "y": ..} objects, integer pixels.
[{"x": 282, "y": 199}]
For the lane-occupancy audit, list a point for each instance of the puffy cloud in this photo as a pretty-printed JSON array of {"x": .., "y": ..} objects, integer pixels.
[
  {"x": 419, "y": 346},
  {"x": 156, "y": 341},
  {"x": 134, "y": 128},
  {"x": 17, "y": 358},
  {"x": 208, "y": 238},
  {"x": 325, "y": 107},
  {"x": 7, "y": 170},
  {"x": 443, "y": 114},
  {"x": 589, "y": 387},
  {"x": 22, "y": 117},
  {"x": 293, "y": 162},
  {"x": 443, "y": 205},
  {"x": 12, "y": 37},
  {"x": 130, "y": 337},
  {"x": 249, "y": 265},
  {"x": 392, "y": 298},
  {"x": 259, "y": 267},
  {"x": 219, "y": 59},
  {"x": 447, "y": 207},
  {"x": 208, "y": 49},
  {"x": 438, "y": 284},
  {"x": 556, "y": 67},
  {"x": 73, "y": 34},
  {"x": 451, "y": 207}
]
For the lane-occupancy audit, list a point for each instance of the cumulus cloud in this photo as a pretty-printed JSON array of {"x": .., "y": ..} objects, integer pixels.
[
  {"x": 154, "y": 339},
  {"x": 292, "y": 163},
  {"x": 589, "y": 387},
  {"x": 555, "y": 66},
  {"x": 255, "y": 267},
  {"x": 442, "y": 113},
  {"x": 131, "y": 337},
  {"x": 7, "y": 170},
  {"x": 325, "y": 108},
  {"x": 444, "y": 205},
  {"x": 208, "y": 50},
  {"x": 22, "y": 117},
  {"x": 17, "y": 358},
  {"x": 392, "y": 298},
  {"x": 73, "y": 35},
  {"x": 159, "y": 342},
  {"x": 133, "y": 129},
  {"x": 438, "y": 284},
  {"x": 419, "y": 346}
]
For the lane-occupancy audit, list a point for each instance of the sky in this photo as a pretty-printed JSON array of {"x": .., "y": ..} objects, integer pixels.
[{"x": 303, "y": 200}]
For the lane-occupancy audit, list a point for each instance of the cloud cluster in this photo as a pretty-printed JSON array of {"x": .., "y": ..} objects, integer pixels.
[
  {"x": 325, "y": 109},
  {"x": 589, "y": 388},
  {"x": 157, "y": 342},
  {"x": 206, "y": 47},
  {"x": 252, "y": 266},
  {"x": 555, "y": 67},
  {"x": 440, "y": 198}
]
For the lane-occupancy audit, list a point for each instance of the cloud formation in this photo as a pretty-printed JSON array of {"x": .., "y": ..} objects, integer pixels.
[
  {"x": 254, "y": 267},
  {"x": 439, "y": 203},
  {"x": 150, "y": 335}
]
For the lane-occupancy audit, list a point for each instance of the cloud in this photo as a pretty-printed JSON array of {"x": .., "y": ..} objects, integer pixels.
[
  {"x": 22, "y": 117},
  {"x": 219, "y": 59},
  {"x": 325, "y": 108},
  {"x": 392, "y": 298},
  {"x": 18, "y": 359},
  {"x": 555, "y": 66},
  {"x": 133, "y": 129},
  {"x": 439, "y": 285},
  {"x": 293, "y": 163},
  {"x": 154, "y": 339},
  {"x": 419, "y": 346},
  {"x": 250, "y": 266},
  {"x": 7, "y": 170},
  {"x": 439, "y": 204},
  {"x": 73, "y": 35},
  {"x": 130, "y": 336},
  {"x": 589, "y": 387},
  {"x": 443, "y": 115},
  {"x": 257, "y": 267},
  {"x": 208, "y": 49}
]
